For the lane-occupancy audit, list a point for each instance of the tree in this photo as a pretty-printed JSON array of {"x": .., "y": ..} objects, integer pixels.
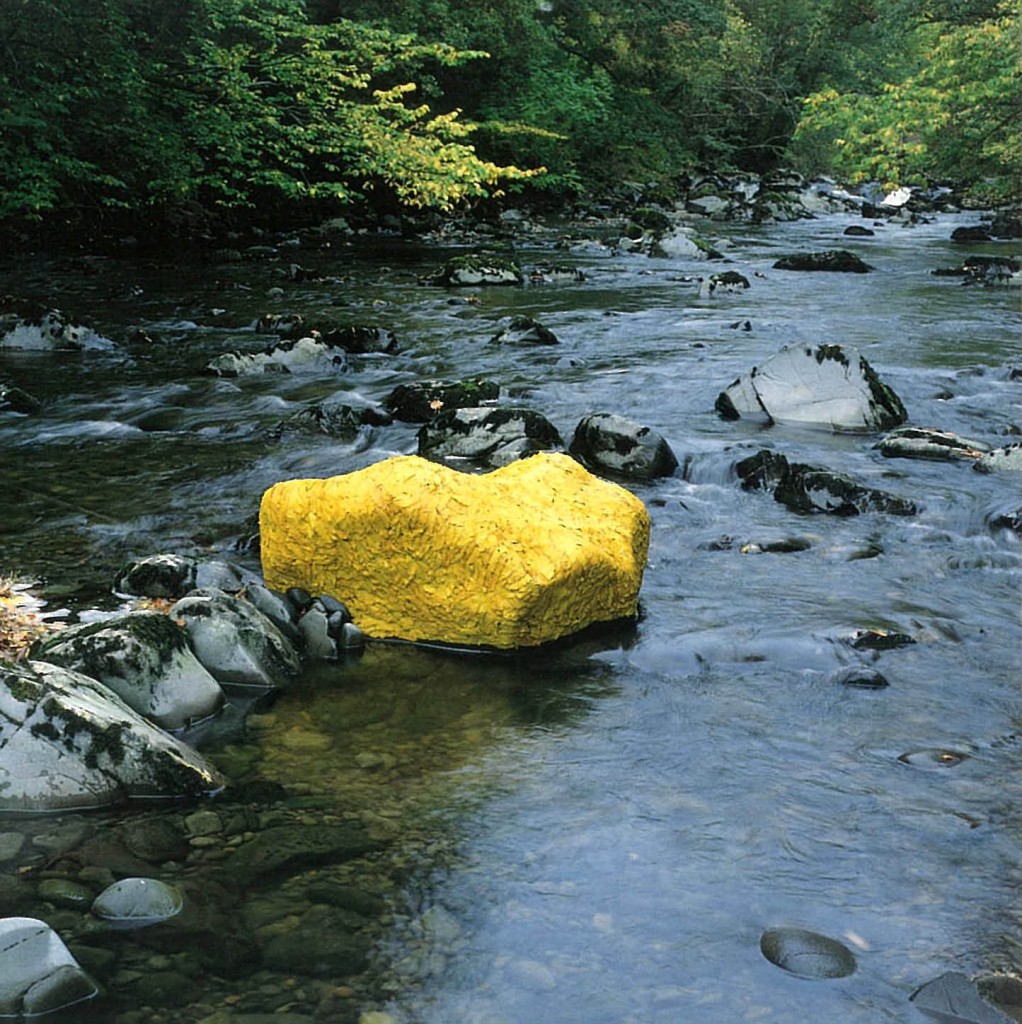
[{"x": 955, "y": 115}]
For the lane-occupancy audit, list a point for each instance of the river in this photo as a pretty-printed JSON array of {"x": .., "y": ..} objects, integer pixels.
[{"x": 599, "y": 833}]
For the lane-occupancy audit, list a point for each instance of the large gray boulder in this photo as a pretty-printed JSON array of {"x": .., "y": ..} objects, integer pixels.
[
  {"x": 829, "y": 386},
  {"x": 604, "y": 442},
  {"x": 67, "y": 741},
  {"x": 145, "y": 659},
  {"x": 38, "y": 974},
  {"x": 235, "y": 641}
]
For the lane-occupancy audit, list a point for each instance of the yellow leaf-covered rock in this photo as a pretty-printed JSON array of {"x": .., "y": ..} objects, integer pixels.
[{"x": 528, "y": 553}]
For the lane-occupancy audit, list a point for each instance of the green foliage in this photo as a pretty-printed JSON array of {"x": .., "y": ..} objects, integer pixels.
[
  {"x": 109, "y": 104},
  {"x": 956, "y": 115}
]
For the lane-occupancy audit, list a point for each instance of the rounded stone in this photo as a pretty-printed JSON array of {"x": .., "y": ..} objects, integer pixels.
[
  {"x": 806, "y": 954},
  {"x": 137, "y": 902}
]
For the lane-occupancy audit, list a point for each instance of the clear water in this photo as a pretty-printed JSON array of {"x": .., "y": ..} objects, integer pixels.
[{"x": 601, "y": 833}]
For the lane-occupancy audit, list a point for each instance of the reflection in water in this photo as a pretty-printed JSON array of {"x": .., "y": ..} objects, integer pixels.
[{"x": 602, "y": 831}]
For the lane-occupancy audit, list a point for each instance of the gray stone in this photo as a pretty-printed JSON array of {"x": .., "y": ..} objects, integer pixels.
[
  {"x": 137, "y": 903},
  {"x": 235, "y": 641},
  {"x": 494, "y": 437},
  {"x": 955, "y": 999},
  {"x": 145, "y": 659},
  {"x": 287, "y": 849},
  {"x": 276, "y": 607},
  {"x": 1001, "y": 460},
  {"x": 68, "y": 741},
  {"x": 164, "y": 575},
  {"x": 52, "y": 331},
  {"x": 38, "y": 974},
  {"x": 830, "y": 260},
  {"x": 425, "y": 400},
  {"x": 829, "y": 386},
  {"x": 523, "y": 330},
  {"x": 304, "y": 355},
  {"x": 604, "y": 442},
  {"x": 923, "y": 443},
  {"x": 806, "y": 954},
  {"x": 472, "y": 270}
]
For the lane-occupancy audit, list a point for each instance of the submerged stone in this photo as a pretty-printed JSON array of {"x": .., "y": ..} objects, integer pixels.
[
  {"x": 38, "y": 974},
  {"x": 137, "y": 903},
  {"x": 514, "y": 558},
  {"x": 68, "y": 741},
  {"x": 806, "y": 954},
  {"x": 476, "y": 270},
  {"x": 425, "y": 400},
  {"x": 830, "y": 386},
  {"x": 923, "y": 443}
]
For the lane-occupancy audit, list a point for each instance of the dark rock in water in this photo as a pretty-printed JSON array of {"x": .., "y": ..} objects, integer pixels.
[
  {"x": 921, "y": 443},
  {"x": 805, "y": 488},
  {"x": 858, "y": 231},
  {"x": 278, "y": 608},
  {"x": 523, "y": 330},
  {"x": 1007, "y": 224},
  {"x": 729, "y": 281},
  {"x": 1011, "y": 520},
  {"x": 173, "y": 576},
  {"x": 832, "y": 260},
  {"x": 806, "y": 954},
  {"x": 494, "y": 437},
  {"x": 860, "y": 677},
  {"x": 954, "y": 998},
  {"x": 325, "y": 629},
  {"x": 333, "y": 418},
  {"x": 607, "y": 443},
  {"x": 425, "y": 400},
  {"x": 320, "y": 947},
  {"x": 360, "y": 339},
  {"x": 13, "y": 399},
  {"x": 472, "y": 270},
  {"x": 975, "y": 233},
  {"x": 555, "y": 273},
  {"x": 880, "y": 640},
  {"x": 987, "y": 271},
  {"x": 288, "y": 849},
  {"x": 830, "y": 386},
  {"x": 346, "y": 897}
]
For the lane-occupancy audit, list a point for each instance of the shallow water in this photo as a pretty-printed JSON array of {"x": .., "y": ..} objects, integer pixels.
[{"x": 602, "y": 832}]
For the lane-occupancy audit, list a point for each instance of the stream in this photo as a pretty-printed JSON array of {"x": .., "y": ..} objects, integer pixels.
[{"x": 598, "y": 833}]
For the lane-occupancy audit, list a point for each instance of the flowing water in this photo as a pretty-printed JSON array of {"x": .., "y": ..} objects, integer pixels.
[{"x": 598, "y": 833}]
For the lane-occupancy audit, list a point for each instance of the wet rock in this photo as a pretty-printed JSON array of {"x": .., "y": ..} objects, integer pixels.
[
  {"x": 478, "y": 269},
  {"x": 68, "y": 741},
  {"x": 523, "y": 330},
  {"x": 830, "y": 260},
  {"x": 38, "y": 974},
  {"x": 288, "y": 849},
  {"x": 807, "y": 954},
  {"x": 975, "y": 233},
  {"x": 1007, "y": 520},
  {"x": 860, "y": 677},
  {"x": 346, "y": 897},
  {"x": 235, "y": 641},
  {"x": 137, "y": 903},
  {"x": 425, "y": 400},
  {"x": 1007, "y": 224},
  {"x": 727, "y": 283},
  {"x": 145, "y": 659},
  {"x": 360, "y": 339},
  {"x": 64, "y": 893},
  {"x": 679, "y": 244},
  {"x": 324, "y": 630},
  {"x": 805, "y": 488},
  {"x": 529, "y": 553},
  {"x": 986, "y": 271},
  {"x": 52, "y": 331},
  {"x": 604, "y": 442},
  {"x": 930, "y": 759},
  {"x": 304, "y": 355},
  {"x": 156, "y": 840},
  {"x": 13, "y": 399},
  {"x": 954, "y": 998},
  {"x": 1001, "y": 460},
  {"x": 923, "y": 443},
  {"x": 880, "y": 640},
  {"x": 556, "y": 273},
  {"x": 173, "y": 576},
  {"x": 858, "y": 231},
  {"x": 493, "y": 437},
  {"x": 829, "y": 386},
  {"x": 334, "y": 418},
  {"x": 280, "y": 609}
]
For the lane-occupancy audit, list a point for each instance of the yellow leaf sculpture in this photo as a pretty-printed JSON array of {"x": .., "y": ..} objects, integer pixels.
[{"x": 531, "y": 552}]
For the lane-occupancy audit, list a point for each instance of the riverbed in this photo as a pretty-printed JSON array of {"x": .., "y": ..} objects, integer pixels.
[{"x": 601, "y": 832}]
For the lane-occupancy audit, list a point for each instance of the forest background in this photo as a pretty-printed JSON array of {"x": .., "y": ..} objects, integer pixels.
[{"x": 133, "y": 115}]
